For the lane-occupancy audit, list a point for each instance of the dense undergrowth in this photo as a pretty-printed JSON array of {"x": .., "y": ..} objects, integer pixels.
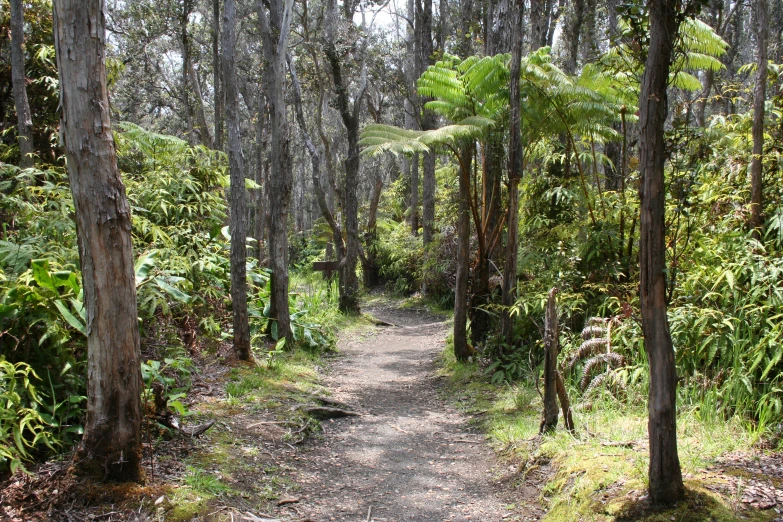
[
  {"x": 725, "y": 288},
  {"x": 176, "y": 193}
]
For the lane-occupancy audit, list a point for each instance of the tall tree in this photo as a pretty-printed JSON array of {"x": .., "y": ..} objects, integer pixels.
[
  {"x": 665, "y": 475},
  {"x": 216, "y": 80},
  {"x": 515, "y": 164},
  {"x": 424, "y": 51},
  {"x": 194, "y": 101},
  {"x": 236, "y": 163},
  {"x": 111, "y": 447},
  {"x": 759, "y": 97},
  {"x": 275, "y": 29},
  {"x": 349, "y": 108},
  {"x": 462, "y": 349},
  {"x": 19, "y": 80}
]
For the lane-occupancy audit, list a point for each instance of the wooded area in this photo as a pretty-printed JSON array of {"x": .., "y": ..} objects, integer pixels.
[{"x": 593, "y": 188}]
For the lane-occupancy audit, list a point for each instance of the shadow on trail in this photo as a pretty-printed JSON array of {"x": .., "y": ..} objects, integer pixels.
[{"x": 411, "y": 456}]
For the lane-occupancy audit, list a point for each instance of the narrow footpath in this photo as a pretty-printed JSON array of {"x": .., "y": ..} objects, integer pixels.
[{"x": 411, "y": 456}]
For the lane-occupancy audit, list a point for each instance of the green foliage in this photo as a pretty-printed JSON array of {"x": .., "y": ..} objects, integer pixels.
[
  {"x": 174, "y": 378},
  {"x": 177, "y": 197},
  {"x": 43, "y": 86},
  {"x": 22, "y": 425}
]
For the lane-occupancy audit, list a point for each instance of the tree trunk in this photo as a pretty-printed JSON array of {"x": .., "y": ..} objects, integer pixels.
[
  {"x": 19, "y": 81},
  {"x": 320, "y": 195},
  {"x": 551, "y": 346},
  {"x": 219, "y": 99},
  {"x": 414, "y": 215},
  {"x": 260, "y": 176},
  {"x": 370, "y": 270},
  {"x": 428, "y": 198},
  {"x": 665, "y": 475},
  {"x": 275, "y": 29},
  {"x": 565, "y": 404},
  {"x": 538, "y": 29},
  {"x": 201, "y": 129},
  {"x": 481, "y": 320},
  {"x": 515, "y": 166},
  {"x": 572, "y": 34},
  {"x": 424, "y": 57},
  {"x": 349, "y": 113},
  {"x": 443, "y": 28},
  {"x": 464, "y": 44},
  {"x": 237, "y": 189},
  {"x": 111, "y": 446},
  {"x": 187, "y": 7},
  {"x": 759, "y": 96},
  {"x": 461, "y": 348}
]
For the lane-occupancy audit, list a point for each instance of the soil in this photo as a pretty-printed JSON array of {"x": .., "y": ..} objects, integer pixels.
[{"x": 411, "y": 456}]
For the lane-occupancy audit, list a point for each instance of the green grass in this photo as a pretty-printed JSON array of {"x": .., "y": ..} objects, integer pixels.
[
  {"x": 234, "y": 467},
  {"x": 599, "y": 473}
]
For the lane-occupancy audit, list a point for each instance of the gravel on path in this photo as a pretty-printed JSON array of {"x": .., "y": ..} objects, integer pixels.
[{"x": 411, "y": 456}]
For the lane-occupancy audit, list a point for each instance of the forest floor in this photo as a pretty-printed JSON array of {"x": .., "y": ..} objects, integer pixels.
[
  {"x": 421, "y": 448},
  {"x": 411, "y": 455}
]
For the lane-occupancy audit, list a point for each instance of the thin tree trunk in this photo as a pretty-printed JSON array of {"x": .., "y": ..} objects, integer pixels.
[
  {"x": 443, "y": 12},
  {"x": 565, "y": 404},
  {"x": 551, "y": 346},
  {"x": 349, "y": 113},
  {"x": 260, "y": 175},
  {"x": 237, "y": 189},
  {"x": 19, "y": 81},
  {"x": 187, "y": 8},
  {"x": 428, "y": 199},
  {"x": 424, "y": 55},
  {"x": 464, "y": 42},
  {"x": 538, "y": 29},
  {"x": 759, "y": 96},
  {"x": 320, "y": 195},
  {"x": 202, "y": 129},
  {"x": 370, "y": 261},
  {"x": 275, "y": 30},
  {"x": 665, "y": 476},
  {"x": 111, "y": 446},
  {"x": 515, "y": 166},
  {"x": 219, "y": 99},
  {"x": 461, "y": 348},
  {"x": 572, "y": 34}
]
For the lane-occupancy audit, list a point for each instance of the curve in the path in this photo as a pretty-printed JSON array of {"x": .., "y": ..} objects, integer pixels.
[{"x": 411, "y": 456}]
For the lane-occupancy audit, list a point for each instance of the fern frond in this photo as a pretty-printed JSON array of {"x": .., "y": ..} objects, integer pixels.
[
  {"x": 609, "y": 379},
  {"x": 611, "y": 360},
  {"x": 697, "y": 36},
  {"x": 378, "y": 139},
  {"x": 587, "y": 349},
  {"x": 685, "y": 81},
  {"x": 593, "y": 331}
]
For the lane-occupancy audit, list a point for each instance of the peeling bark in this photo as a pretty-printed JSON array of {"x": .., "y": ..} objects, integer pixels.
[{"x": 111, "y": 446}]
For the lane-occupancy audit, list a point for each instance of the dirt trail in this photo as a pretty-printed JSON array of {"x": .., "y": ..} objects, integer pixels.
[{"x": 411, "y": 457}]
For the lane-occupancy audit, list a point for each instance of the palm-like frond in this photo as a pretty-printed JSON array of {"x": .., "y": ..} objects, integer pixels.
[
  {"x": 698, "y": 37},
  {"x": 378, "y": 139}
]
